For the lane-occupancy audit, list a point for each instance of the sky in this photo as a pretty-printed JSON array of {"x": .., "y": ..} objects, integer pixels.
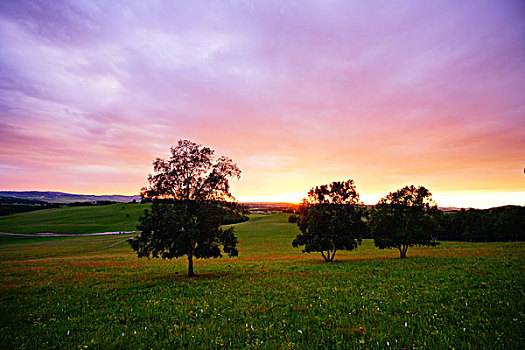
[{"x": 297, "y": 93}]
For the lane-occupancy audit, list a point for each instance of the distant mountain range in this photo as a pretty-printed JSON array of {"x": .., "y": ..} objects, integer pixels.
[{"x": 61, "y": 197}]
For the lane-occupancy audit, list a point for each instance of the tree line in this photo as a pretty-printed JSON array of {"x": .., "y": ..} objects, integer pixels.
[
  {"x": 191, "y": 200},
  {"x": 489, "y": 225},
  {"x": 502, "y": 224}
]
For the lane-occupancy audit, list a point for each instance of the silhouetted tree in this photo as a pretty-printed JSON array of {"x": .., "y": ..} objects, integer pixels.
[
  {"x": 234, "y": 213},
  {"x": 405, "y": 218},
  {"x": 292, "y": 219},
  {"x": 330, "y": 220},
  {"x": 189, "y": 192}
]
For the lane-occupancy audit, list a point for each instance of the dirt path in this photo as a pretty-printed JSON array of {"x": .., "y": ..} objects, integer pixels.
[{"x": 115, "y": 244}]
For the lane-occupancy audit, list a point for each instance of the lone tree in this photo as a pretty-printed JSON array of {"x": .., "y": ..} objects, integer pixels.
[
  {"x": 189, "y": 192},
  {"x": 405, "y": 218},
  {"x": 330, "y": 220}
]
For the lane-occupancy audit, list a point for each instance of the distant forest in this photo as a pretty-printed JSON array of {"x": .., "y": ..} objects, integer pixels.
[{"x": 489, "y": 225}]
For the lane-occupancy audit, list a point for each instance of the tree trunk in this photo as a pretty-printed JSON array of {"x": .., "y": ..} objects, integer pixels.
[
  {"x": 403, "y": 251},
  {"x": 190, "y": 266},
  {"x": 328, "y": 257},
  {"x": 333, "y": 255}
]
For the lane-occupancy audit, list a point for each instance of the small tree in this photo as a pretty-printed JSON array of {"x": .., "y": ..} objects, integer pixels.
[
  {"x": 330, "y": 220},
  {"x": 189, "y": 192},
  {"x": 405, "y": 218},
  {"x": 292, "y": 219}
]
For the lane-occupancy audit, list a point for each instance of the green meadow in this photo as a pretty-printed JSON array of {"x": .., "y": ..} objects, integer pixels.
[
  {"x": 89, "y": 219},
  {"x": 94, "y": 293}
]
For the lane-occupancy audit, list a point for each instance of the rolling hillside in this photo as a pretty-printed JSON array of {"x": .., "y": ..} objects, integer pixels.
[{"x": 114, "y": 217}]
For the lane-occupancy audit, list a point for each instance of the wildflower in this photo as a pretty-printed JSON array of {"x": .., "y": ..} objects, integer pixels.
[
  {"x": 122, "y": 334},
  {"x": 300, "y": 331},
  {"x": 387, "y": 343},
  {"x": 406, "y": 324},
  {"x": 67, "y": 332}
]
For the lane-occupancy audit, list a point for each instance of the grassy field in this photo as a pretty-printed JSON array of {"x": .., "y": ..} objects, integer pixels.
[
  {"x": 92, "y": 292},
  {"x": 102, "y": 218}
]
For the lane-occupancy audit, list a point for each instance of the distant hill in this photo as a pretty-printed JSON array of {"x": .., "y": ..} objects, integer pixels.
[
  {"x": 450, "y": 208},
  {"x": 61, "y": 197},
  {"x": 10, "y": 200}
]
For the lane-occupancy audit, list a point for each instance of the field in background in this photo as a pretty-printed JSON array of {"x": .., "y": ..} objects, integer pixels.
[
  {"x": 104, "y": 218},
  {"x": 92, "y": 292}
]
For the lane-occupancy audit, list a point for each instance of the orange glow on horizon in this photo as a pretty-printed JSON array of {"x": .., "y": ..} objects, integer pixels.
[{"x": 476, "y": 200}]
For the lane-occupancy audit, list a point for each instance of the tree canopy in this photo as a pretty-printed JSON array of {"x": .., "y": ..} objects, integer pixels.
[
  {"x": 405, "y": 218},
  {"x": 189, "y": 193},
  {"x": 191, "y": 174},
  {"x": 330, "y": 220}
]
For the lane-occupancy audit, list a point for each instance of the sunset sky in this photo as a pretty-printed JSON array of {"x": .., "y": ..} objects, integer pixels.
[{"x": 297, "y": 93}]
